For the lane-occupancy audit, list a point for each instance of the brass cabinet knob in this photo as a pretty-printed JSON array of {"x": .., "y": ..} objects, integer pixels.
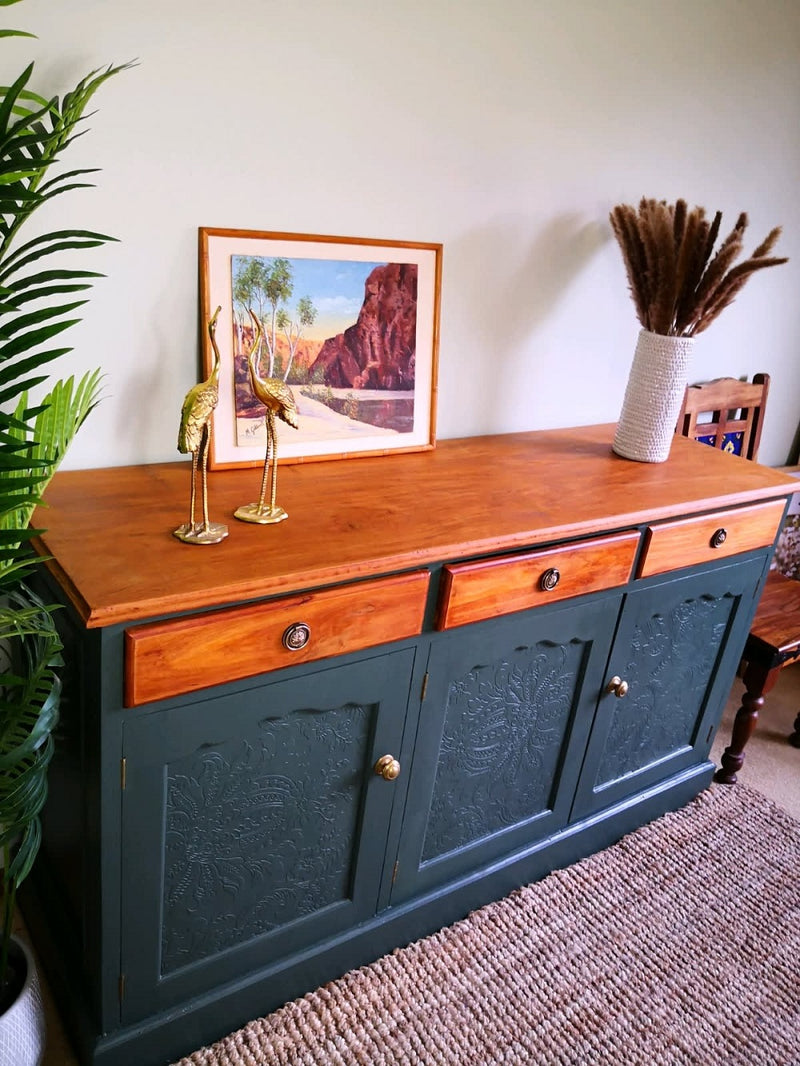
[
  {"x": 549, "y": 579},
  {"x": 296, "y": 636},
  {"x": 718, "y": 537},
  {"x": 617, "y": 686},
  {"x": 387, "y": 767}
]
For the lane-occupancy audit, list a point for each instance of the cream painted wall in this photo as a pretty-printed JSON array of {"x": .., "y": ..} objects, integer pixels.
[{"x": 505, "y": 130}]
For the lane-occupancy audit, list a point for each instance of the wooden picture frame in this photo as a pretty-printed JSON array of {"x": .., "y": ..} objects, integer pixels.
[{"x": 350, "y": 324}]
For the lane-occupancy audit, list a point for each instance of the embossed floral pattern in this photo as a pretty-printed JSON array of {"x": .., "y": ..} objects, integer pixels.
[
  {"x": 260, "y": 831},
  {"x": 504, "y": 730},
  {"x": 672, "y": 656}
]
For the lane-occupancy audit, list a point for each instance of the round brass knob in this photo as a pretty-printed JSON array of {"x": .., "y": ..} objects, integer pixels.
[
  {"x": 718, "y": 537},
  {"x": 387, "y": 767},
  {"x": 617, "y": 686},
  {"x": 296, "y": 636},
  {"x": 549, "y": 579}
]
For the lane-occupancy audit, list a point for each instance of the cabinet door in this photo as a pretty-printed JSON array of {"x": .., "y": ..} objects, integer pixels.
[
  {"x": 677, "y": 648},
  {"x": 254, "y": 825},
  {"x": 507, "y": 704}
]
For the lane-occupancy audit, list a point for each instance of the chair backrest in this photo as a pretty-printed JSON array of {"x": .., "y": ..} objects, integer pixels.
[{"x": 726, "y": 413}]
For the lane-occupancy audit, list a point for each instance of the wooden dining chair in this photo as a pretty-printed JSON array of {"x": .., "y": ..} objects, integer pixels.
[{"x": 728, "y": 414}]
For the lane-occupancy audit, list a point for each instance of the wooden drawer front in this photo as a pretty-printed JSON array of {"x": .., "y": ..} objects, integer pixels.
[
  {"x": 472, "y": 592},
  {"x": 672, "y": 545},
  {"x": 165, "y": 659}
]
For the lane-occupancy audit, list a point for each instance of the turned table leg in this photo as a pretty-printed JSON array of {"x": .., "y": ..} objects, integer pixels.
[{"x": 758, "y": 680}]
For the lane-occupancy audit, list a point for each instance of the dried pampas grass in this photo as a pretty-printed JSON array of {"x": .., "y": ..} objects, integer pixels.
[{"x": 677, "y": 286}]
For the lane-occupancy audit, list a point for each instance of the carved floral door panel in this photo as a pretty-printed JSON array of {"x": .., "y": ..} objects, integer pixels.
[
  {"x": 675, "y": 640},
  {"x": 505, "y": 701},
  {"x": 271, "y": 825}
]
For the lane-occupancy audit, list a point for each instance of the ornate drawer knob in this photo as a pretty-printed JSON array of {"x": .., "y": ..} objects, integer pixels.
[
  {"x": 549, "y": 579},
  {"x": 387, "y": 767},
  {"x": 296, "y": 636},
  {"x": 719, "y": 537},
  {"x": 617, "y": 686}
]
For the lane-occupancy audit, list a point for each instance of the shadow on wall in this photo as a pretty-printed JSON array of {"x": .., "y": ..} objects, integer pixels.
[
  {"x": 500, "y": 288},
  {"x": 160, "y": 379},
  {"x": 794, "y": 451}
]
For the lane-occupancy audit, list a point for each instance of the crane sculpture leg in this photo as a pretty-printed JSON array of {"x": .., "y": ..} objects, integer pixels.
[
  {"x": 259, "y": 512},
  {"x": 193, "y": 493},
  {"x": 205, "y": 532}
]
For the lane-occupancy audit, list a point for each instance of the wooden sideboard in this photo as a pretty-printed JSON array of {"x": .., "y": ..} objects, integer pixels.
[{"x": 447, "y": 674}]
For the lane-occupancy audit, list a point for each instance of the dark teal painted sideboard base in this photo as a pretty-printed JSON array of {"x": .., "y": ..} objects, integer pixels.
[{"x": 169, "y": 1036}]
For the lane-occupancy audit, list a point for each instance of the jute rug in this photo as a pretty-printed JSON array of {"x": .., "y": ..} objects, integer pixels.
[{"x": 680, "y": 944}]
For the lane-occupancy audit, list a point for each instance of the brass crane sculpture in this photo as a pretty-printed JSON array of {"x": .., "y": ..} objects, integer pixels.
[
  {"x": 279, "y": 400},
  {"x": 194, "y": 436}
]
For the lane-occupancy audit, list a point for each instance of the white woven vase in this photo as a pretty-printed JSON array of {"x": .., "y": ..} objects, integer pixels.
[
  {"x": 22, "y": 1027},
  {"x": 653, "y": 397}
]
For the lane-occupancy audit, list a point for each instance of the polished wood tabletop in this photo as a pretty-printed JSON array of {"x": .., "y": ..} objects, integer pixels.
[{"x": 109, "y": 531}]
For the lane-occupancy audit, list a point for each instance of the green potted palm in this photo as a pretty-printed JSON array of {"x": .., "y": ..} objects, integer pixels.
[{"x": 39, "y": 301}]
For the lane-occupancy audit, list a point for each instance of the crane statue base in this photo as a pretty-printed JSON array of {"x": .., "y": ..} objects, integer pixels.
[
  {"x": 263, "y": 516},
  {"x": 198, "y": 533}
]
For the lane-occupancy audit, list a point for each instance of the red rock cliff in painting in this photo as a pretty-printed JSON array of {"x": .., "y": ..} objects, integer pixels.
[{"x": 379, "y": 351}]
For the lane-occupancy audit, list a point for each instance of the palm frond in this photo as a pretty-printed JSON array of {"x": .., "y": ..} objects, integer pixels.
[
  {"x": 28, "y": 715},
  {"x": 48, "y": 244},
  {"x": 58, "y": 420}
]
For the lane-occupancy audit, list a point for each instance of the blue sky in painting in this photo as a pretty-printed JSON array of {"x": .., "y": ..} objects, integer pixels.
[{"x": 335, "y": 287}]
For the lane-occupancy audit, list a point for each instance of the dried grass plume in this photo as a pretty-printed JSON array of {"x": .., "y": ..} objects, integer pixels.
[{"x": 678, "y": 286}]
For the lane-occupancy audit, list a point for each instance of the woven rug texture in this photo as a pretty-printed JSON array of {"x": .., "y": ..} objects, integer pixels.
[{"x": 680, "y": 944}]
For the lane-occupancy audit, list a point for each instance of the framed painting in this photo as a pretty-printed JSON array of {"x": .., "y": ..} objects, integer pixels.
[{"x": 350, "y": 326}]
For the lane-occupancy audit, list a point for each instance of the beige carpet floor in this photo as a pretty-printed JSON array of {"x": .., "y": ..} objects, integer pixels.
[
  {"x": 679, "y": 945},
  {"x": 771, "y": 764}
]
